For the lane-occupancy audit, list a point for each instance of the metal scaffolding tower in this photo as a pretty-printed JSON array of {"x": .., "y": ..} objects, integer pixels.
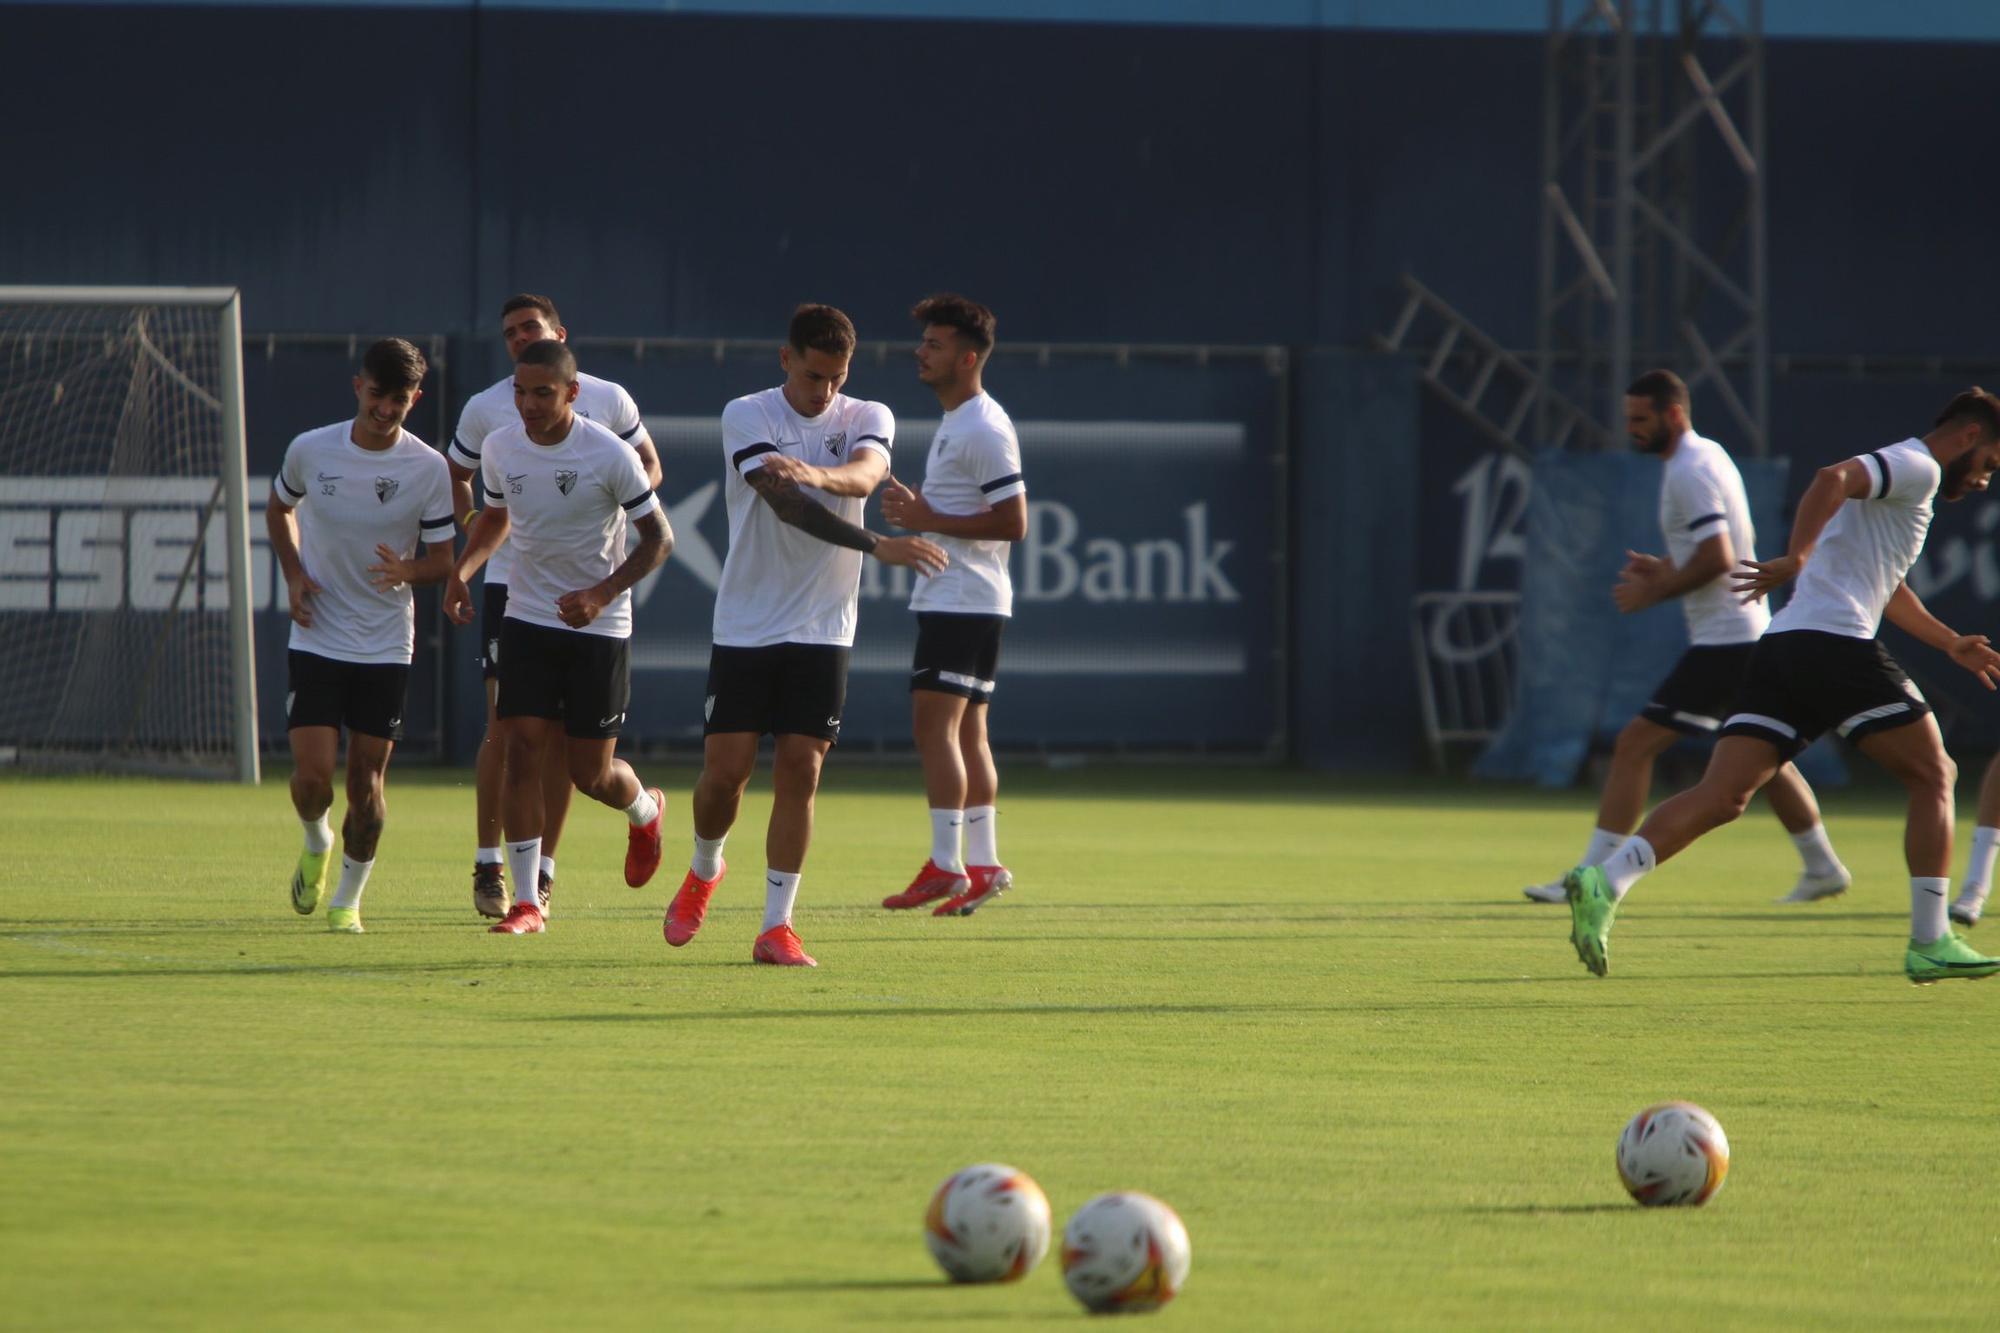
[{"x": 1652, "y": 239}]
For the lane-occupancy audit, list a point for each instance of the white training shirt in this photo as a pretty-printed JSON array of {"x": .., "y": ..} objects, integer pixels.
[
  {"x": 1700, "y": 496},
  {"x": 780, "y": 585},
  {"x": 566, "y": 504},
  {"x": 493, "y": 407},
  {"x": 974, "y": 464},
  {"x": 349, "y": 501},
  {"x": 1867, "y": 547}
]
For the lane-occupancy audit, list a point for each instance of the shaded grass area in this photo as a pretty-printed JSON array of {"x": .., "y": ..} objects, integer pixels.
[{"x": 1313, "y": 1014}]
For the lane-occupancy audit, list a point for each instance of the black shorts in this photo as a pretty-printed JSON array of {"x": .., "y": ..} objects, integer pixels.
[
  {"x": 364, "y": 697},
  {"x": 957, "y": 654},
  {"x": 492, "y": 610},
  {"x": 1805, "y": 682},
  {"x": 584, "y": 679},
  {"x": 796, "y": 689},
  {"x": 1698, "y": 693}
]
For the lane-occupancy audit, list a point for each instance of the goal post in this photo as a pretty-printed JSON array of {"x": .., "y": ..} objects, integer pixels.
[{"x": 126, "y": 596}]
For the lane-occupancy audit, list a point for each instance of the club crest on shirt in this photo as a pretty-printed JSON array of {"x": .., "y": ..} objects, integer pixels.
[
  {"x": 326, "y": 486},
  {"x": 836, "y": 442},
  {"x": 566, "y": 480},
  {"x": 514, "y": 480},
  {"x": 386, "y": 488},
  {"x": 943, "y": 442}
]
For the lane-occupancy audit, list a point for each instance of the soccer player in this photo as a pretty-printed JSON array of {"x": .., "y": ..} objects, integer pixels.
[
  {"x": 1705, "y": 519},
  {"x": 785, "y": 611},
  {"x": 524, "y": 320},
  {"x": 973, "y": 503},
  {"x": 349, "y": 509},
  {"x": 1859, "y": 528},
  {"x": 561, "y": 486}
]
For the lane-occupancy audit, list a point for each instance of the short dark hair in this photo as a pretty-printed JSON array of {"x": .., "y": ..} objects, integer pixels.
[
  {"x": 548, "y": 352},
  {"x": 1974, "y": 404},
  {"x": 394, "y": 363},
  {"x": 821, "y": 328},
  {"x": 530, "y": 301},
  {"x": 969, "y": 319},
  {"x": 1662, "y": 388}
]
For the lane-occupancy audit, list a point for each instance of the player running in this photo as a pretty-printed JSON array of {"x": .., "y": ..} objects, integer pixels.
[
  {"x": 560, "y": 487},
  {"x": 1705, "y": 520},
  {"x": 800, "y": 461},
  {"x": 524, "y": 320},
  {"x": 974, "y": 503},
  {"x": 349, "y": 509},
  {"x": 1860, "y": 526}
]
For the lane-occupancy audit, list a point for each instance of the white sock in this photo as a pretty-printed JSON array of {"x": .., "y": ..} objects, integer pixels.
[
  {"x": 1927, "y": 899},
  {"x": 707, "y": 862},
  {"x": 523, "y": 859},
  {"x": 781, "y": 890},
  {"x": 945, "y": 826},
  {"x": 644, "y": 810},
  {"x": 1603, "y": 842},
  {"x": 1979, "y": 866},
  {"x": 1816, "y": 851},
  {"x": 549, "y": 866},
  {"x": 487, "y": 856},
  {"x": 1628, "y": 863},
  {"x": 353, "y": 879},
  {"x": 982, "y": 839},
  {"x": 319, "y": 833}
]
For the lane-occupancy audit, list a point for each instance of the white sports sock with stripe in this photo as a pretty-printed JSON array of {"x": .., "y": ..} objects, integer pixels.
[
  {"x": 781, "y": 891},
  {"x": 982, "y": 835},
  {"x": 353, "y": 879},
  {"x": 945, "y": 827},
  {"x": 1927, "y": 907},
  {"x": 523, "y": 860}
]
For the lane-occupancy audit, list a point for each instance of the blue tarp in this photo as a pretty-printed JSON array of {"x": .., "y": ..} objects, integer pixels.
[{"x": 1585, "y": 669}]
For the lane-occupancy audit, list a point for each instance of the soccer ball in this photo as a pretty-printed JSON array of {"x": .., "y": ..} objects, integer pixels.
[
  {"x": 1673, "y": 1154},
  {"x": 1125, "y": 1252},
  {"x": 988, "y": 1223}
]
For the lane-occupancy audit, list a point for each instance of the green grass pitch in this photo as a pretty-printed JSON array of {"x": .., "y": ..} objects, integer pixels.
[{"x": 1316, "y": 1017}]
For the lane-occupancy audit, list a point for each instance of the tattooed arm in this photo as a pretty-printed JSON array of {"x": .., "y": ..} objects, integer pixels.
[{"x": 801, "y": 511}]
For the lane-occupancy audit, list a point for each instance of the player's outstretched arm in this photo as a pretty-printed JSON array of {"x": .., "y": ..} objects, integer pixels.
[
  {"x": 860, "y": 475},
  {"x": 656, "y": 542},
  {"x": 390, "y": 571},
  {"x": 1004, "y": 522},
  {"x": 1831, "y": 488},
  {"x": 488, "y": 531},
  {"x": 795, "y": 507},
  {"x": 1648, "y": 580},
  {"x": 1907, "y": 612}
]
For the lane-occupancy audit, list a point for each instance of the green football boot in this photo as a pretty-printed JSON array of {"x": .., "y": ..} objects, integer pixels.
[
  {"x": 1945, "y": 956},
  {"x": 1591, "y": 907},
  {"x": 344, "y": 920},
  {"x": 309, "y": 881}
]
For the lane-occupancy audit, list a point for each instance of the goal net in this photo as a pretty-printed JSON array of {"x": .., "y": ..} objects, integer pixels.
[{"x": 124, "y": 540}]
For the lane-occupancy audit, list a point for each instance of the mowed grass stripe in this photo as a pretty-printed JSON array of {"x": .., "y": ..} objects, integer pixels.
[{"x": 1315, "y": 1016}]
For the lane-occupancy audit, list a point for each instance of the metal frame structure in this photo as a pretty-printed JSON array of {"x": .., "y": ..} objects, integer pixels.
[
  {"x": 1653, "y": 217},
  {"x": 231, "y": 487}
]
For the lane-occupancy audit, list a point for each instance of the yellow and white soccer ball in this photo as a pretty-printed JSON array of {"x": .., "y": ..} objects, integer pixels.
[
  {"x": 1673, "y": 1155},
  {"x": 988, "y": 1223},
  {"x": 1125, "y": 1252}
]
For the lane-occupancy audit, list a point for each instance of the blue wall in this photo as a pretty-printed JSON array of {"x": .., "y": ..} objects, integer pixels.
[
  {"x": 675, "y": 174},
  {"x": 402, "y": 169}
]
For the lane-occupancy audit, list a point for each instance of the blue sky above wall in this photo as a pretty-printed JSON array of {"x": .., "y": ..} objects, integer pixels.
[{"x": 1908, "y": 20}]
